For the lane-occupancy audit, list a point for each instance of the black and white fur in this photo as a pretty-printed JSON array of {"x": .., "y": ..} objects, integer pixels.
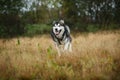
[{"x": 61, "y": 36}]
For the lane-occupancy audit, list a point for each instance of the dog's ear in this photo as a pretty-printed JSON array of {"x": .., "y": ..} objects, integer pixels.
[
  {"x": 61, "y": 22},
  {"x": 53, "y": 22}
]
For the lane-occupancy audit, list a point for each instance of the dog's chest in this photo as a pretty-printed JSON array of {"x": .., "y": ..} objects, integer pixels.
[
  {"x": 62, "y": 42},
  {"x": 59, "y": 36}
]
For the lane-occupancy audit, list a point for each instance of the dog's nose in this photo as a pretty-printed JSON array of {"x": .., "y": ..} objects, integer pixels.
[{"x": 56, "y": 30}]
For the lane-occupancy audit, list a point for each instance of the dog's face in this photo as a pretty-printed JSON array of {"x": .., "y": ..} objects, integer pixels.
[{"x": 58, "y": 29}]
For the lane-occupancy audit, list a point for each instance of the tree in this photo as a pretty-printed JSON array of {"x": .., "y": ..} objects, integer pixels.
[
  {"x": 10, "y": 22},
  {"x": 102, "y": 12},
  {"x": 11, "y": 6},
  {"x": 69, "y": 10},
  {"x": 117, "y": 11}
]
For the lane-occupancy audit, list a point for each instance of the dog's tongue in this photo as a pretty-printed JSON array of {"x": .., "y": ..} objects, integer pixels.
[{"x": 57, "y": 33}]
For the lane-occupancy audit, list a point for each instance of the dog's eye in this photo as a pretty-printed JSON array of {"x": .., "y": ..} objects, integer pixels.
[
  {"x": 59, "y": 25},
  {"x": 60, "y": 30}
]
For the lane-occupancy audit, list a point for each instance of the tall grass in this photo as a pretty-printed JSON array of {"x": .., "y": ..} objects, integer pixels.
[{"x": 94, "y": 57}]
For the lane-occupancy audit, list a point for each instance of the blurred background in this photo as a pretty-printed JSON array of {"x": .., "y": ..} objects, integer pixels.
[
  {"x": 28, "y": 53},
  {"x": 34, "y": 17}
]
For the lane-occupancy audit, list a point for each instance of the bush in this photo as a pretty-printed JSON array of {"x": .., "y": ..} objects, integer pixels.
[
  {"x": 2, "y": 31},
  {"x": 92, "y": 28},
  {"x": 80, "y": 27},
  {"x": 113, "y": 26},
  {"x": 33, "y": 29},
  {"x": 11, "y": 31}
]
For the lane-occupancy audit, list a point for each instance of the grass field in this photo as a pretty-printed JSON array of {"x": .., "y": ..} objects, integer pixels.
[{"x": 94, "y": 57}]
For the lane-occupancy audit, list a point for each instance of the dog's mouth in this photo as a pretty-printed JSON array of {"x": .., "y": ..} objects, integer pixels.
[{"x": 58, "y": 32}]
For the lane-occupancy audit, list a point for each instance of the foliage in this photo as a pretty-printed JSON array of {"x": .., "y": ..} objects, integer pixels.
[
  {"x": 10, "y": 22},
  {"x": 11, "y": 6},
  {"x": 82, "y": 15},
  {"x": 92, "y": 28},
  {"x": 11, "y": 31},
  {"x": 100, "y": 12},
  {"x": 36, "y": 29}
]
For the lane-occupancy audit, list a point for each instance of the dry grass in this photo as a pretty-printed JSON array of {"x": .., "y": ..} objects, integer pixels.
[{"x": 94, "y": 57}]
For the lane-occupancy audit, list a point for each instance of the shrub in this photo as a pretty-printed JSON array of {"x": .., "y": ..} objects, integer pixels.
[
  {"x": 2, "y": 31},
  {"x": 36, "y": 29},
  {"x": 11, "y": 31},
  {"x": 92, "y": 28},
  {"x": 80, "y": 27}
]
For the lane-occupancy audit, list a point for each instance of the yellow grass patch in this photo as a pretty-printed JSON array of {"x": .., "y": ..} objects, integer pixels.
[{"x": 94, "y": 57}]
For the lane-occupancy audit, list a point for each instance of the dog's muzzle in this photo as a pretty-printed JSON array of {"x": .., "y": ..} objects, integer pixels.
[{"x": 57, "y": 32}]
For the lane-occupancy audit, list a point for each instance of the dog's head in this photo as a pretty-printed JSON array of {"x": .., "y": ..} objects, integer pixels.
[{"x": 58, "y": 28}]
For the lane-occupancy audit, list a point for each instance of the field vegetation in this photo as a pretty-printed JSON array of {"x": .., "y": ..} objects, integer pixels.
[{"x": 95, "y": 56}]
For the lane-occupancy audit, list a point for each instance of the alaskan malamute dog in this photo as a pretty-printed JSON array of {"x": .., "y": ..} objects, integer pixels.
[{"x": 61, "y": 36}]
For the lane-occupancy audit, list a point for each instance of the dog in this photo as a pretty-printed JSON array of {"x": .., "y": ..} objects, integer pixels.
[{"x": 60, "y": 34}]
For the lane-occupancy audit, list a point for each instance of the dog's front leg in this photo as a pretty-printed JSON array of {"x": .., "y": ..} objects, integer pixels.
[
  {"x": 58, "y": 48},
  {"x": 70, "y": 47},
  {"x": 66, "y": 46}
]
